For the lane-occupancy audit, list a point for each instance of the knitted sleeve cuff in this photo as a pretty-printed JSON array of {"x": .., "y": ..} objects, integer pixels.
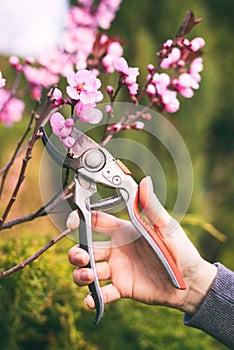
[{"x": 216, "y": 313}]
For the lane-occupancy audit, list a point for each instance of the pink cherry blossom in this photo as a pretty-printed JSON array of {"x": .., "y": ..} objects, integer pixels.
[
  {"x": 160, "y": 88},
  {"x": 85, "y": 2},
  {"x": 133, "y": 89},
  {"x": 87, "y": 113},
  {"x": 121, "y": 65},
  {"x": 172, "y": 58},
  {"x": 14, "y": 61},
  {"x": 90, "y": 115},
  {"x": 83, "y": 87},
  {"x": 196, "y": 66},
  {"x": 79, "y": 16},
  {"x": 130, "y": 74},
  {"x": 56, "y": 61},
  {"x": 138, "y": 125},
  {"x": 68, "y": 141},
  {"x": 168, "y": 44},
  {"x": 79, "y": 39},
  {"x": 40, "y": 76},
  {"x": 184, "y": 84},
  {"x": 63, "y": 128},
  {"x": 56, "y": 97},
  {"x": 106, "y": 12},
  {"x": 114, "y": 52},
  {"x": 173, "y": 106},
  {"x": 196, "y": 44},
  {"x": 60, "y": 126},
  {"x": 2, "y": 81},
  {"x": 11, "y": 108}
]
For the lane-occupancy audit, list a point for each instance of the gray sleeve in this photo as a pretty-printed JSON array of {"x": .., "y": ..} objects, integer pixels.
[{"x": 216, "y": 313}]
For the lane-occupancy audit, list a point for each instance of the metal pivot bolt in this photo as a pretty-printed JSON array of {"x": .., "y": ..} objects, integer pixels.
[{"x": 94, "y": 160}]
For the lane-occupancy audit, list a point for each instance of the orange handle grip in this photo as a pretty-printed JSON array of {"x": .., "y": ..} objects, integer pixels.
[{"x": 167, "y": 257}]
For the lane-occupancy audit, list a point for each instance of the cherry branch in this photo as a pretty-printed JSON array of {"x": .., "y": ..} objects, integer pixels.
[
  {"x": 26, "y": 159},
  {"x": 17, "y": 151},
  {"x": 35, "y": 255},
  {"x": 46, "y": 209}
]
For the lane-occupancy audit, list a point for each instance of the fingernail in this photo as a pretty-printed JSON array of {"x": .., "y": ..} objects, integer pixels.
[
  {"x": 85, "y": 276},
  {"x": 73, "y": 221},
  {"x": 89, "y": 301}
]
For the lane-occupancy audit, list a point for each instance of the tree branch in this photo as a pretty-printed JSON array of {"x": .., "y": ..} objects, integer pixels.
[
  {"x": 35, "y": 255},
  {"x": 7, "y": 167},
  {"x": 25, "y": 161},
  {"x": 42, "y": 211}
]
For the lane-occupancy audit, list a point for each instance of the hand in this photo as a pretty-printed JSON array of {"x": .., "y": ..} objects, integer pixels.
[{"x": 133, "y": 268}]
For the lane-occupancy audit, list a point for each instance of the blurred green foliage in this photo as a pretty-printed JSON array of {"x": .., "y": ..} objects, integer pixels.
[{"x": 40, "y": 307}]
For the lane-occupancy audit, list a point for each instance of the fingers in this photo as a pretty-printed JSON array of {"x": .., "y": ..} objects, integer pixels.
[
  {"x": 153, "y": 209},
  {"x": 109, "y": 292},
  {"x": 106, "y": 223},
  {"x": 80, "y": 258},
  {"x": 84, "y": 276}
]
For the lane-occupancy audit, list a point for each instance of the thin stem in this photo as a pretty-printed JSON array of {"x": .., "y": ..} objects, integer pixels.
[
  {"x": 42, "y": 211},
  {"x": 25, "y": 161},
  {"x": 112, "y": 100},
  {"x": 16, "y": 153},
  {"x": 35, "y": 255}
]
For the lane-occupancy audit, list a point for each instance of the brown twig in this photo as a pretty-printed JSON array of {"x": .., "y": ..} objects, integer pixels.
[
  {"x": 16, "y": 153},
  {"x": 25, "y": 161},
  {"x": 35, "y": 255},
  {"x": 42, "y": 211}
]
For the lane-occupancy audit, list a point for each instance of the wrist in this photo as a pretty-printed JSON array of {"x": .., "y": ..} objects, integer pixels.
[{"x": 198, "y": 286}]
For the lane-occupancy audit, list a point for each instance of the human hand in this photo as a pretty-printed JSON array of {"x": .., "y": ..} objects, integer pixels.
[{"x": 133, "y": 268}]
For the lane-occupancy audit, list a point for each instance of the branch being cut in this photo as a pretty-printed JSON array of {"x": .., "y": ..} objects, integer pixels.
[{"x": 46, "y": 209}]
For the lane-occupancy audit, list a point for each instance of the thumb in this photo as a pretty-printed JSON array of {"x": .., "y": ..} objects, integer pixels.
[{"x": 153, "y": 209}]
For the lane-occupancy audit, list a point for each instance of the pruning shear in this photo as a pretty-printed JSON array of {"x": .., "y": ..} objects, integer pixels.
[{"x": 93, "y": 165}]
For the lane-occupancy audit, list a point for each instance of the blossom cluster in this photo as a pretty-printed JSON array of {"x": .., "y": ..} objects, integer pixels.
[
  {"x": 87, "y": 56},
  {"x": 185, "y": 59}
]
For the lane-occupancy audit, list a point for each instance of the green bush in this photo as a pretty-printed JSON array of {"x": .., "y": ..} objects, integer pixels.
[{"x": 41, "y": 308}]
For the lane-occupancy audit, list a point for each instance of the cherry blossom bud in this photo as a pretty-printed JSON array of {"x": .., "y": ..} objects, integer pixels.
[
  {"x": 29, "y": 60},
  {"x": 181, "y": 63},
  {"x": 68, "y": 142},
  {"x": 185, "y": 80},
  {"x": 69, "y": 123},
  {"x": 185, "y": 42},
  {"x": 56, "y": 97},
  {"x": 147, "y": 116},
  {"x": 14, "y": 61},
  {"x": 168, "y": 44},
  {"x": 151, "y": 90},
  {"x": 173, "y": 106},
  {"x": 110, "y": 89},
  {"x": 117, "y": 127},
  {"x": 150, "y": 67},
  {"x": 196, "y": 44},
  {"x": 108, "y": 109},
  {"x": 138, "y": 125},
  {"x": 103, "y": 39}
]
